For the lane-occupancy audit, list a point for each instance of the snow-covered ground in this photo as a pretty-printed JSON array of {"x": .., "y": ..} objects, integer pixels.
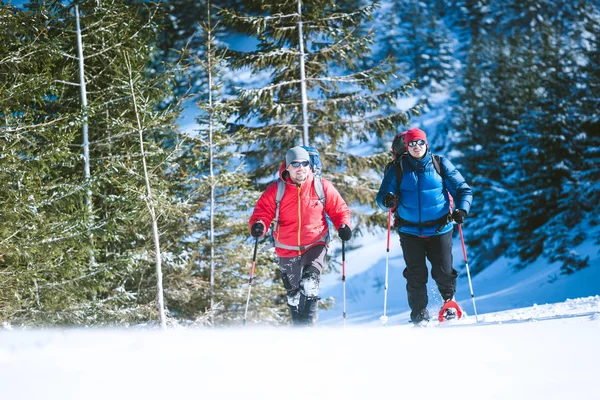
[
  {"x": 542, "y": 352},
  {"x": 528, "y": 342}
]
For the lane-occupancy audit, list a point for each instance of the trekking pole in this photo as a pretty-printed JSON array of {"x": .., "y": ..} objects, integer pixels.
[
  {"x": 384, "y": 317},
  {"x": 344, "y": 278},
  {"x": 251, "y": 278},
  {"x": 462, "y": 241}
]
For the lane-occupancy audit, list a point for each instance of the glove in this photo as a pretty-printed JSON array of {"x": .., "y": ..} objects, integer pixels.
[
  {"x": 344, "y": 232},
  {"x": 389, "y": 200},
  {"x": 459, "y": 216},
  {"x": 258, "y": 229}
]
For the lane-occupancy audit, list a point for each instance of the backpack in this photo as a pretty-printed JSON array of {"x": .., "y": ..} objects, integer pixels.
[{"x": 316, "y": 166}]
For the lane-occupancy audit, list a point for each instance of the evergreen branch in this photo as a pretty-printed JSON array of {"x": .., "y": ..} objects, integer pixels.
[
  {"x": 69, "y": 56},
  {"x": 353, "y": 17},
  {"x": 67, "y": 83},
  {"x": 34, "y": 126},
  {"x": 253, "y": 24}
]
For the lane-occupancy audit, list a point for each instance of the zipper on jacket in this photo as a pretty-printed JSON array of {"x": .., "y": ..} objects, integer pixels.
[
  {"x": 419, "y": 201},
  {"x": 299, "y": 219}
]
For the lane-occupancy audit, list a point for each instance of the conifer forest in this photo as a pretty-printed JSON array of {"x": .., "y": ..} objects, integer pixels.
[{"x": 113, "y": 214}]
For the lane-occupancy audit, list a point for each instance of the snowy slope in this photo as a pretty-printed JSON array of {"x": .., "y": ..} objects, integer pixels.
[{"x": 543, "y": 352}]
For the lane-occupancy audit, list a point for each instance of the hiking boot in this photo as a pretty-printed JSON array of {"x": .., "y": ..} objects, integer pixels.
[{"x": 419, "y": 316}]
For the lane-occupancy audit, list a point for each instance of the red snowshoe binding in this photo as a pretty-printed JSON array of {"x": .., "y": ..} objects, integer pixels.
[{"x": 450, "y": 310}]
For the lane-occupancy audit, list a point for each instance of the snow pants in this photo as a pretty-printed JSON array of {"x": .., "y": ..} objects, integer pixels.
[
  {"x": 301, "y": 277},
  {"x": 438, "y": 250}
]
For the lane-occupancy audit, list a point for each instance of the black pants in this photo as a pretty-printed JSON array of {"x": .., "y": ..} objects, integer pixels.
[
  {"x": 438, "y": 250},
  {"x": 301, "y": 279}
]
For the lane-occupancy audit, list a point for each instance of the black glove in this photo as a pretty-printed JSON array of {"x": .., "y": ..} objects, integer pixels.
[
  {"x": 459, "y": 216},
  {"x": 389, "y": 200},
  {"x": 344, "y": 232},
  {"x": 258, "y": 229}
]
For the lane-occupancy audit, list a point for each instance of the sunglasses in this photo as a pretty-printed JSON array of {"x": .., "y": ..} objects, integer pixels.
[
  {"x": 413, "y": 143},
  {"x": 296, "y": 164}
]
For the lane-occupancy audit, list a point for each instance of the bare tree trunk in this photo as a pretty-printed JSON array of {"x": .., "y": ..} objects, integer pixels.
[
  {"x": 86, "y": 143},
  {"x": 212, "y": 176},
  {"x": 149, "y": 203},
  {"x": 303, "y": 78}
]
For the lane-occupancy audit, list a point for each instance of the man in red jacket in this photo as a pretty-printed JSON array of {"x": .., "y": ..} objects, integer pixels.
[{"x": 302, "y": 233}]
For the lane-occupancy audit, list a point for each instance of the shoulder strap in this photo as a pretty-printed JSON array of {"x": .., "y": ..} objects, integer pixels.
[
  {"x": 437, "y": 164},
  {"x": 399, "y": 170},
  {"x": 439, "y": 167},
  {"x": 318, "y": 184},
  {"x": 280, "y": 191}
]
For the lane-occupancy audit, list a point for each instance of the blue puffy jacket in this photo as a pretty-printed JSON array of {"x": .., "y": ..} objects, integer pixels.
[{"x": 422, "y": 195}]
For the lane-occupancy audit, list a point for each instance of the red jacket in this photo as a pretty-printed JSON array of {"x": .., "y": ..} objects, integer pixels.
[{"x": 301, "y": 216}]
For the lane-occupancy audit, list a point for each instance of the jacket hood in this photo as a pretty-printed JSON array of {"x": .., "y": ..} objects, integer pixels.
[{"x": 420, "y": 164}]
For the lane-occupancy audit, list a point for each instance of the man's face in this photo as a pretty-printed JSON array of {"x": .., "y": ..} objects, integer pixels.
[
  {"x": 417, "y": 148},
  {"x": 298, "y": 170}
]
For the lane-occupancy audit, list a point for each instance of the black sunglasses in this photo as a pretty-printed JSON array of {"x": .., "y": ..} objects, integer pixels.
[
  {"x": 296, "y": 164},
  {"x": 413, "y": 143}
]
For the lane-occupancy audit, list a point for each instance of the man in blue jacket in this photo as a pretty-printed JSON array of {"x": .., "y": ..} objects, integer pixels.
[{"x": 424, "y": 218}]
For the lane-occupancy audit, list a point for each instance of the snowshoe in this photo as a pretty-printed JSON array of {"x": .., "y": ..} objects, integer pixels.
[{"x": 450, "y": 311}]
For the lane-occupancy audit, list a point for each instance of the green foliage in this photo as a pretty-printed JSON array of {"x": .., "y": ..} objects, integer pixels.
[
  {"x": 525, "y": 132},
  {"x": 347, "y": 105},
  {"x": 46, "y": 234}
]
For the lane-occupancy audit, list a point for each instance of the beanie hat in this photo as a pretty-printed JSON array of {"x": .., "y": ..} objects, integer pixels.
[
  {"x": 415, "y": 134},
  {"x": 296, "y": 153}
]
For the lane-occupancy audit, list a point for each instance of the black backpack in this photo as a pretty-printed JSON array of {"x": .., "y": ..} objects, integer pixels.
[{"x": 398, "y": 150}]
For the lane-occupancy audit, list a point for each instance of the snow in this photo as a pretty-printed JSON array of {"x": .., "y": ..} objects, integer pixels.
[
  {"x": 517, "y": 347},
  {"x": 541, "y": 352}
]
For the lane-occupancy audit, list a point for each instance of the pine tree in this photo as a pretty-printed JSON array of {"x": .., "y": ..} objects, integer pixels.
[
  {"x": 181, "y": 41},
  {"x": 212, "y": 287},
  {"x": 416, "y": 38},
  {"x": 63, "y": 287},
  {"x": 43, "y": 226},
  {"x": 345, "y": 104},
  {"x": 520, "y": 113},
  {"x": 588, "y": 110}
]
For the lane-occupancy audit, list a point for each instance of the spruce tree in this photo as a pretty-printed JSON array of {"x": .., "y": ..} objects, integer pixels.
[
  {"x": 416, "y": 38},
  {"x": 44, "y": 233},
  {"x": 346, "y": 105},
  {"x": 523, "y": 133},
  {"x": 63, "y": 287},
  {"x": 212, "y": 287}
]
